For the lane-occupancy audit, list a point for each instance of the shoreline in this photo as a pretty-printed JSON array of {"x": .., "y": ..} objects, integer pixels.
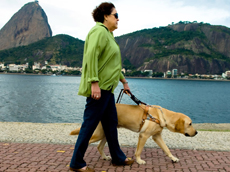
[
  {"x": 58, "y": 133},
  {"x": 1, "y": 73},
  {"x": 198, "y": 126},
  {"x": 212, "y": 126},
  {"x": 153, "y": 78},
  {"x": 181, "y": 79},
  {"x": 225, "y": 127}
]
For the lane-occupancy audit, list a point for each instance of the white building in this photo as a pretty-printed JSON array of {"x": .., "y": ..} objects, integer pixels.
[
  {"x": 24, "y": 66},
  {"x": 168, "y": 73},
  {"x": 55, "y": 67},
  {"x": 197, "y": 75},
  {"x": 2, "y": 66},
  {"x": 43, "y": 68},
  {"x": 69, "y": 68},
  {"x": 36, "y": 65},
  {"x": 123, "y": 70},
  {"x": 218, "y": 77},
  {"x": 174, "y": 73},
  {"x": 226, "y": 74},
  {"x": 14, "y": 67},
  {"x": 149, "y": 71},
  {"x": 63, "y": 67},
  {"x": 73, "y": 68}
]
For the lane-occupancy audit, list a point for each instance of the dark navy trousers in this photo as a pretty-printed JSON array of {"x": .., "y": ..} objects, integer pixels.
[{"x": 103, "y": 110}]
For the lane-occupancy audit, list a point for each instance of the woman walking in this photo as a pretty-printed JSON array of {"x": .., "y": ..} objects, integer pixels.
[{"x": 101, "y": 73}]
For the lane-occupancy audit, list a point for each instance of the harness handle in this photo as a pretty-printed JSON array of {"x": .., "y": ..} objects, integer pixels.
[
  {"x": 137, "y": 101},
  {"x": 120, "y": 96}
]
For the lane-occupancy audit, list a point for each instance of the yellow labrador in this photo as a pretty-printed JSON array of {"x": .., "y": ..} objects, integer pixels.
[{"x": 130, "y": 117}]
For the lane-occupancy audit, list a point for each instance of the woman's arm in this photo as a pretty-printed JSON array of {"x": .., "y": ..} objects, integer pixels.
[{"x": 125, "y": 84}]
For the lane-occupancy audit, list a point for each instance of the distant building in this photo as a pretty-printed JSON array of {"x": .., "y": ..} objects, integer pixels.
[
  {"x": 55, "y": 67},
  {"x": 2, "y": 66},
  {"x": 174, "y": 73},
  {"x": 14, "y": 67},
  {"x": 36, "y": 65},
  {"x": 167, "y": 74},
  {"x": 149, "y": 71},
  {"x": 217, "y": 77},
  {"x": 226, "y": 74},
  {"x": 24, "y": 66},
  {"x": 190, "y": 75},
  {"x": 43, "y": 68},
  {"x": 73, "y": 69},
  {"x": 197, "y": 75},
  {"x": 63, "y": 67}
]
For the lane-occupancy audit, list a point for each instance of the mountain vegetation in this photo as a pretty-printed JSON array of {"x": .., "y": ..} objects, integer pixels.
[
  {"x": 188, "y": 47},
  {"x": 59, "y": 49}
]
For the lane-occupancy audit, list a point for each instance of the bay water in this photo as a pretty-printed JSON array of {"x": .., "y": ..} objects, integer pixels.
[{"x": 54, "y": 99}]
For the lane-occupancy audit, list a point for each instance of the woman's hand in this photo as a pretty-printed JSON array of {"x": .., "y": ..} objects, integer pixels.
[
  {"x": 125, "y": 85},
  {"x": 95, "y": 91}
]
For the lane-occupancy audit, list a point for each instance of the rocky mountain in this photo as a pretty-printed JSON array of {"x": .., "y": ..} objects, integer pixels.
[
  {"x": 190, "y": 48},
  {"x": 28, "y": 25}
]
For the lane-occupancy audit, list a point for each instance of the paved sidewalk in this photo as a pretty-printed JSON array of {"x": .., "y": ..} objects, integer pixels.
[{"x": 34, "y": 157}]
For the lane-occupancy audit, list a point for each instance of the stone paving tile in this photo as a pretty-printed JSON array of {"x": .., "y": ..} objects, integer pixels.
[{"x": 33, "y": 157}]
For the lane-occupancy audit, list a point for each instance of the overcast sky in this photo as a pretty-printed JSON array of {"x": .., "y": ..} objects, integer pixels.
[{"x": 73, "y": 17}]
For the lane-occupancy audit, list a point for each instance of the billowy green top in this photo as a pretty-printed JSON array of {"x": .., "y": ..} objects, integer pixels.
[{"x": 101, "y": 61}]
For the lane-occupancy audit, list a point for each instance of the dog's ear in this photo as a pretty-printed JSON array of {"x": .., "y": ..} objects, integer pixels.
[{"x": 179, "y": 126}]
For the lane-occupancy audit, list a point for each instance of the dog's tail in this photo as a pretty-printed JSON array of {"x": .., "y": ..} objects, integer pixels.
[{"x": 75, "y": 132}]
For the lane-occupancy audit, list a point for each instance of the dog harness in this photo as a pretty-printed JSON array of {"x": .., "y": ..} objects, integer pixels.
[
  {"x": 141, "y": 104},
  {"x": 145, "y": 116}
]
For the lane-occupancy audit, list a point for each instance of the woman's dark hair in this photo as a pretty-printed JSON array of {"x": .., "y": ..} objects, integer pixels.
[{"x": 104, "y": 8}]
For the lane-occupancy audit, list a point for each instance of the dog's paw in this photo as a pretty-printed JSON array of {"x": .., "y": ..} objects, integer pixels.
[
  {"x": 140, "y": 161},
  {"x": 175, "y": 160},
  {"x": 107, "y": 158}
]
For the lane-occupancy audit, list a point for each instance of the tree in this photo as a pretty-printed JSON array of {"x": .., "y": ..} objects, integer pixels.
[
  {"x": 158, "y": 74},
  {"x": 27, "y": 70},
  {"x": 44, "y": 71},
  {"x": 30, "y": 65}
]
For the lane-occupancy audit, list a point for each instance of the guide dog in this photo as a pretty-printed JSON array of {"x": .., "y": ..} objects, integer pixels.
[{"x": 131, "y": 117}]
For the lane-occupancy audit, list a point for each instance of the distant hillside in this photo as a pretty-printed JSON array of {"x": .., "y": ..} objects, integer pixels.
[
  {"x": 62, "y": 49},
  {"x": 190, "y": 48},
  {"x": 28, "y": 25}
]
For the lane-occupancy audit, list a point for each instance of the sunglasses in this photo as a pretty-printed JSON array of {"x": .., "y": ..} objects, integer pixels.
[{"x": 115, "y": 15}]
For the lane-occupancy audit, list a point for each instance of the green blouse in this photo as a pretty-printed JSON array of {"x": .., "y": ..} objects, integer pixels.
[{"x": 101, "y": 61}]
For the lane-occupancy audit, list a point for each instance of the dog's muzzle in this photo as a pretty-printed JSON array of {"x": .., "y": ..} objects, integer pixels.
[{"x": 187, "y": 135}]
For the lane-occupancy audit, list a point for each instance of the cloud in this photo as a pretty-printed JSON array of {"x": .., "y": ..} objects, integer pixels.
[
  {"x": 149, "y": 14},
  {"x": 73, "y": 17}
]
